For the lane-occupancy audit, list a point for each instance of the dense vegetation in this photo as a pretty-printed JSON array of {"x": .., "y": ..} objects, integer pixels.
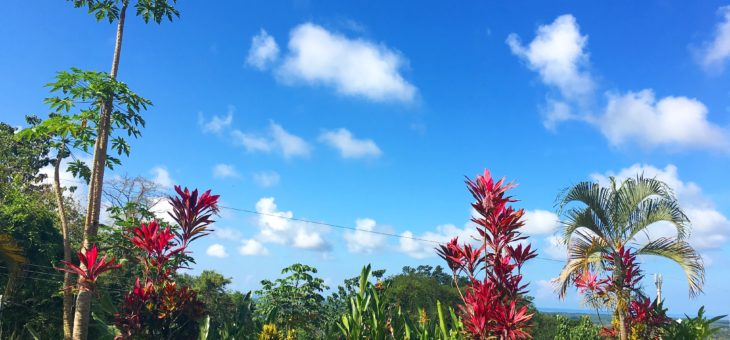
[
  {"x": 423, "y": 302},
  {"x": 65, "y": 275}
]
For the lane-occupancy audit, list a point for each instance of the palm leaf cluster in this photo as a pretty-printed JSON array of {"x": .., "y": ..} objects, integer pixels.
[{"x": 598, "y": 220}]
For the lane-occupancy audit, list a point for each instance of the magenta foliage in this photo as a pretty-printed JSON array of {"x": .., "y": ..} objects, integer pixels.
[
  {"x": 492, "y": 304},
  {"x": 89, "y": 269},
  {"x": 193, "y": 213},
  {"x": 160, "y": 304}
]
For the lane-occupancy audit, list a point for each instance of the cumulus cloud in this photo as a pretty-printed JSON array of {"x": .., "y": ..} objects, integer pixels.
[
  {"x": 349, "y": 146},
  {"x": 252, "y": 247},
  {"x": 710, "y": 228},
  {"x": 353, "y": 67},
  {"x": 162, "y": 177},
  {"x": 673, "y": 121},
  {"x": 230, "y": 234},
  {"x": 545, "y": 289},
  {"x": 277, "y": 227},
  {"x": 216, "y": 250},
  {"x": 414, "y": 245},
  {"x": 224, "y": 171},
  {"x": 67, "y": 180},
  {"x": 716, "y": 52},
  {"x": 276, "y": 139},
  {"x": 363, "y": 240},
  {"x": 557, "y": 55},
  {"x": 263, "y": 52},
  {"x": 540, "y": 222},
  {"x": 552, "y": 247},
  {"x": 218, "y": 123},
  {"x": 162, "y": 210},
  {"x": 266, "y": 179}
]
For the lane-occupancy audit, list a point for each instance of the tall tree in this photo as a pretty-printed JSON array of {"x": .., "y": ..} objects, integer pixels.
[
  {"x": 72, "y": 125},
  {"x": 608, "y": 222},
  {"x": 113, "y": 11}
]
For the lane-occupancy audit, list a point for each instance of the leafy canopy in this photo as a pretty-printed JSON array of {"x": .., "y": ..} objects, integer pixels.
[
  {"x": 154, "y": 10},
  {"x": 74, "y": 119}
]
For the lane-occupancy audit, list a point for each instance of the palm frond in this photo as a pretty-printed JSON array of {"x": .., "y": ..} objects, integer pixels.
[
  {"x": 587, "y": 248},
  {"x": 683, "y": 254},
  {"x": 654, "y": 210},
  {"x": 584, "y": 253},
  {"x": 595, "y": 197},
  {"x": 577, "y": 218}
]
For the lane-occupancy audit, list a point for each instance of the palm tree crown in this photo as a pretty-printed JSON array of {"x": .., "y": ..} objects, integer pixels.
[{"x": 608, "y": 218}]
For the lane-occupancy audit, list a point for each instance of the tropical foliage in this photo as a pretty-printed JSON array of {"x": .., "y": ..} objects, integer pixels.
[
  {"x": 604, "y": 234},
  {"x": 492, "y": 302},
  {"x": 138, "y": 288}
]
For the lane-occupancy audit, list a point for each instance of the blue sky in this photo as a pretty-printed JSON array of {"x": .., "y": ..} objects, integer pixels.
[{"x": 369, "y": 115}]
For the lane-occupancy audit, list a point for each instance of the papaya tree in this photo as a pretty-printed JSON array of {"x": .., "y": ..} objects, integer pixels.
[
  {"x": 72, "y": 126},
  {"x": 111, "y": 11}
]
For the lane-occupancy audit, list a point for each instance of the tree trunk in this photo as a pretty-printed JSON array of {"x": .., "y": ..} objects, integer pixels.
[
  {"x": 68, "y": 297},
  {"x": 623, "y": 332},
  {"x": 83, "y": 301},
  {"x": 622, "y": 296}
]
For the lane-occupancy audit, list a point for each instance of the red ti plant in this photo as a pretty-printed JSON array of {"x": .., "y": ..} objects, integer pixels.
[
  {"x": 192, "y": 213},
  {"x": 160, "y": 308},
  {"x": 644, "y": 318},
  {"x": 492, "y": 303},
  {"x": 89, "y": 269}
]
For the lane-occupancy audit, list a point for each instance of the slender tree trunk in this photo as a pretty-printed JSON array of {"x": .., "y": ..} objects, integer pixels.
[
  {"x": 83, "y": 301},
  {"x": 623, "y": 332},
  {"x": 68, "y": 296},
  {"x": 623, "y": 296}
]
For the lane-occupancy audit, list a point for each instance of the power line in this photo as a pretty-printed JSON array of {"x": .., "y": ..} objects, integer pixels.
[{"x": 332, "y": 225}]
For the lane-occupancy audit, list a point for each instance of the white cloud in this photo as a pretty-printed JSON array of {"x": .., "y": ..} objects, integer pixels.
[
  {"x": 363, "y": 240},
  {"x": 217, "y": 124},
  {"x": 266, "y": 179},
  {"x": 289, "y": 144},
  {"x": 545, "y": 289},
  {"x": 540, "y": 222},
  {"x": 416, "y": 246},
  {"x": 557, "y": 55},
  {"x": 230, "y": 234},
  {"x": 162, "y": 177},
  {"x": 224, "y": 171},
  {"x": 715, "y": 53},
  {"x": 277, "y": 139},
  {"x": 672, "y": 121},
  {"x": 278, "y": 227},
  {"x": 252, "y": 143},
  {"x": 252, "y": 247},
  {"x": 551, "y": 246},
  {"x": 216, "y": 250},
  {"x": 67, "y": 180},
  {"x": 349, "y": 146},
  {"x": 263, "y": 52},
  {"x": 710, "y": 228},
  {"x": 353, "y": 67},
  {"x": 162, "y": 210}
]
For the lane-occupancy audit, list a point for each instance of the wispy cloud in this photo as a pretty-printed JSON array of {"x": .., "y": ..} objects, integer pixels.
[
  {"x": 263, "y": 52},
  {"x": 349, "y": 146},
  {"x": 276, "y": 139}
]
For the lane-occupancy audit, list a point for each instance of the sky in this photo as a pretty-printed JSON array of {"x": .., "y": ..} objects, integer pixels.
[{"x": 368, "y": 115}]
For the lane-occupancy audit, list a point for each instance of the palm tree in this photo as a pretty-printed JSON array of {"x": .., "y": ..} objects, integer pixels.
[{"x": 610, "y": 218}]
